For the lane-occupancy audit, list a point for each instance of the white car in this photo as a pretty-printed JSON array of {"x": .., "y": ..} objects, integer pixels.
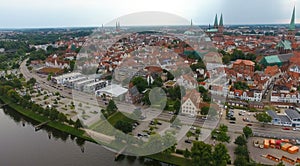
[{"x": 296, "y": 129}]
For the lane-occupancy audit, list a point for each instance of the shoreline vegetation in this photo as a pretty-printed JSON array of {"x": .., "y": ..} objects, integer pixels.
[{"x": 169, "y": 159}]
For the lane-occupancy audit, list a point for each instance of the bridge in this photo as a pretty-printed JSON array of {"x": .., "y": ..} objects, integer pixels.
[{"x": 39, "y": 126}]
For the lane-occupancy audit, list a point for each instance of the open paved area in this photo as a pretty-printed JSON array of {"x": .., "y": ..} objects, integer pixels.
[{"x": 256, "y": 153}]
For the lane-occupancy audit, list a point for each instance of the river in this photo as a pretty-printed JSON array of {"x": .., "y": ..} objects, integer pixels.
[{"x": 20, "y": 144}]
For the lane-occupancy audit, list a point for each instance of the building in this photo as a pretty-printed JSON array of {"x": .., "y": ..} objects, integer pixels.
[
  {"x": 79, "y": 85},
  {"x": 243, "y": 66},
  {"x": 133, "y": 95},
  {"x": 62, "y": 79},
  {"x": 92, "y": 87},
  {"x": 275, "y": 118},
  {"x": 256, "y": 105},
  {"x": 217, "y": 30},
  {"x": 191, "y": 102},
  {"x": 71, "y": 83},
  {"x": 294, "y": 117},
  {"x": 112, "y": 92}
]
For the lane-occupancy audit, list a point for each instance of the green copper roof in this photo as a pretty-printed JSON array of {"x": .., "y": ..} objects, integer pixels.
[
  {"x": 221, "y": 20},
  {"x": 272, "y": 59},
  {"x": 216, "y": 21},
  {"x": 285, "y": 44},
  {"x": 292, "y": 23}
]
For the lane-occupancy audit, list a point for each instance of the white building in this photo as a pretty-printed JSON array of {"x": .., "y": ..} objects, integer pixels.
[
  {"x": 65, "y": 77},
  {"x": 79, "y": 85},
  {"x": 112, "y": 91},
  {"x": 191, "y": 103},
  {"x": 92, "y": 87},
  {"x": 71, "y": 83}
]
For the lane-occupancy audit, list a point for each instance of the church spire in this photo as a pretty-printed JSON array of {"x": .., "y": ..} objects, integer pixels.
[
  {"x": 292, "y": 23},
  {"x": 221, "y": 20},
  {"x": 216, "y": 21},
  {"x": 191, "y": 23}
]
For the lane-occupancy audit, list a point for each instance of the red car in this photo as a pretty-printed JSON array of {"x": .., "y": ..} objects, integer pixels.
[
  {"x": 249, "y": 124},
  {"x": 286, "y": 128}
]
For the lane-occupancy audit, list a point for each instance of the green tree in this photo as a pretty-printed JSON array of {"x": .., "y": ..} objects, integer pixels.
[
  {"x": 77, "y": 124},
  {"x": 247, "y": 131},
  {"x": 263, "y": 117},
  {"x": 126, "y": 127},
  {"x": 240, "y": 161},
  {"x": 240, "y": 140},
  {"x": 201, "y": 154},
  {"x": 220, "y": 155},
  {"x": 176, "y": 106},
  {"x": 140, "y": 83},
  {"x": 204, "y": 110},
  {"x": 189, "y": 134},
  {"x": 242, "y": 151},
  {"x": 187, "y": 154}
]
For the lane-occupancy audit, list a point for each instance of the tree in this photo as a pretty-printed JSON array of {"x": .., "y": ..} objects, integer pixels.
[
  {"x": 220, "y": 155},
  {"x": 263, "y": 117},
  {"x": 240, "y": 161},
  {"x": 247, "y": 131},
  {"x": 187, "y": 154},
  {"x": 198, "y": 131},
  {"x": 111, "y": 107},
  {"x": 201, "y": 154},
  {"x": 140, "y": 83},
  {"x": 77, "y": 124},
  {"x": 204, "y": 110},
  {"x": 240, "y": 140},
  {"x": 242, "y": 151},
  {"x": 189, "y": 134},
  {"x": 176, "y": 106},
  {"x": 126, "y": 127}
]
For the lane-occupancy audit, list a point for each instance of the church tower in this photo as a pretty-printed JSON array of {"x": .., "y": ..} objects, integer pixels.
[
  {"x": 292, "y": 29},
  {"x": 221, "y": 25},
  {"x": 216, "y": 22}
]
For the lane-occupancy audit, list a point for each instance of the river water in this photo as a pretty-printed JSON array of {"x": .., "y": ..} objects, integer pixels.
[{"x": 20, "y": 144}]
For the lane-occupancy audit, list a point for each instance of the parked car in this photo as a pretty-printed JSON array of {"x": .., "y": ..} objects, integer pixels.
[
  {"x": 296, "y": 129},
  {"x": 249, "y": 124},
  {"x": 188, "y": 141},
  {"x": 286, "y": 128},
  {"x": 232, "y": 122}
]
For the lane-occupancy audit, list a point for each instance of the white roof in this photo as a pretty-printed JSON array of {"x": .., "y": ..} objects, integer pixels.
[
  {"x": 67, "y": 75},
  {"x": 114, "y": 90},
  {"x": 77, "y": 79},
  {"x": 85, "y": 81}
]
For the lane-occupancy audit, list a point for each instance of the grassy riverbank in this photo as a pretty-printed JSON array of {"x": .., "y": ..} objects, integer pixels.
[
  {"x": 39, "y": 118},
  {"x": 81, "y": 134}
]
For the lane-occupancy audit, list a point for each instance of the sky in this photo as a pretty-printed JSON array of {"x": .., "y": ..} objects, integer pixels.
[{"x": 78, "y": 13}]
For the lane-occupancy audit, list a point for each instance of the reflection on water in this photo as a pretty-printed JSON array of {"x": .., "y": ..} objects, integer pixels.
[{"x": 20, "y": 144}]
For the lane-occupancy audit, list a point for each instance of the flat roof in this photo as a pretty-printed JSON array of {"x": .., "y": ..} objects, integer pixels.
[
  {"x": 85, "y": 81},
  {"x": 67, "y": 75},
  {"x": 76, "y": 79},
  {"x": 114, "y": 90}
]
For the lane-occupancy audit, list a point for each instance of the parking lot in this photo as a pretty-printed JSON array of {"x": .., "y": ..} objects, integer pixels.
[{"x": 256, "y": 153}]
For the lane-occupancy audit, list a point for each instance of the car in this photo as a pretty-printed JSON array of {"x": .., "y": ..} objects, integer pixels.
[
  {"x": 232, "y": 122},
  {"x": 286, "y": 128},
  {"x": 249, "y": 124},
  {"x": 193, "y": 128},
  {"x": 159, "y": 123},
  {"x": 296, "y": 129},
  {"x": 140, "y": 135},
  {"x": 188, "y": 141}
]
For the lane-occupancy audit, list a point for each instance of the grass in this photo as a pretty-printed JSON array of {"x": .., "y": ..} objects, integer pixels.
[
  {"x": 170, "y": 159},
  {"x": 118, "y": 116},
  {"x": 54, "y": 124}
]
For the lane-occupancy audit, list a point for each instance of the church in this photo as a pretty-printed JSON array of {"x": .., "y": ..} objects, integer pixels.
[{"x": 216, "y": 32}]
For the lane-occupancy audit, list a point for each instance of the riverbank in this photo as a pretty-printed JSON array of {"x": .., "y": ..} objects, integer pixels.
[
  {"x": 40, "y": 119},
  {"x": 170, "y": 159}
]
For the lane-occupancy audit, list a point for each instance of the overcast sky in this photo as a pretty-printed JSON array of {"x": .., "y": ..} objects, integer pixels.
[{"x": 66, "y": 13}]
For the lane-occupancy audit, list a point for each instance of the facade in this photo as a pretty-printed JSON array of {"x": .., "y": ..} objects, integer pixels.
[
  {"x": 191, "y": 101},
  {"x": 79, "y": 85},
  {"x": 112, "y": 92},
  {"x": 71, "y": 83},
  {"x": 243, "y": 66},
  {"x": 64, "y": 78},
  {"x": 92, "y": 87},
  {"x": 290, "y": 118},
  {"x": 133, "y": 95}
]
